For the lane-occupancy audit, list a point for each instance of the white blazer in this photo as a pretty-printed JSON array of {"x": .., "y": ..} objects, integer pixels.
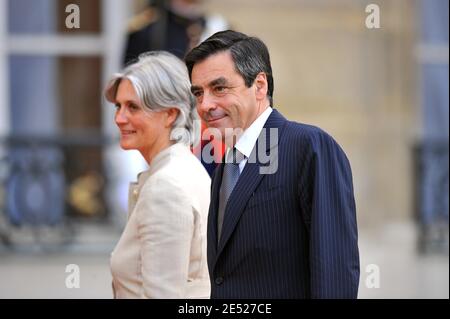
[{"x": 162, "y": 250}]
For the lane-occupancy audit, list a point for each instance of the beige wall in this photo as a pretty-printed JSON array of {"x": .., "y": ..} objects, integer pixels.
[{"x": 357, "y": 84}]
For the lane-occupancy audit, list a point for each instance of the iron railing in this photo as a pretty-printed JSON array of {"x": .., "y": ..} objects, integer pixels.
[{"x": 48, "y": 182}]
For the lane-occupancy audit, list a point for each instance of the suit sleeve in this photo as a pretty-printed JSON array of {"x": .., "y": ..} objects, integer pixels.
[
  {"x": 328, "y": 205},
  {"x": 166, "y": 225}
]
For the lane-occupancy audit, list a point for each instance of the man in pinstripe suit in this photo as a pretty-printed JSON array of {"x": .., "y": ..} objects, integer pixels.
[{"x": 285, "y": 232}]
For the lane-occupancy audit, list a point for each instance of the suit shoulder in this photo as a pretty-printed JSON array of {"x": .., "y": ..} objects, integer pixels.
[
  {"x": 162, "y": 180},
  {"x": 309, "y": 136},
  {"x": 189, "y": 167},
  {"x": 181, "y": 172},
  {"x": 305, "y": 132}
]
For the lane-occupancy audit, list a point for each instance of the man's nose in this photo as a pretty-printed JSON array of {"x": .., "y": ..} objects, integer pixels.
[{"x": 206, "y": 103}]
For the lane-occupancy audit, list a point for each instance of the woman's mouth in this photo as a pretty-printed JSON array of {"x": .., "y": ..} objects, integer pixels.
[{"x": 127, "y": 132}]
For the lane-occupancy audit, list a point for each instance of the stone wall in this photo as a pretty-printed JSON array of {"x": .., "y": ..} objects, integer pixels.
[{"x": 358, "y": 84}]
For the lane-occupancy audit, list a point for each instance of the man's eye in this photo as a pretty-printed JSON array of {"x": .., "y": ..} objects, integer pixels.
[
  {"x": 220, "y": 89},
  {"x": 197, "y": 94}
]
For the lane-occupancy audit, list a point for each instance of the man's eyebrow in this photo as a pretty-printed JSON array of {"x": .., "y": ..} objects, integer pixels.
[
  {"x": 195, "y": 88},
  {"x": 218, "y": 81}
]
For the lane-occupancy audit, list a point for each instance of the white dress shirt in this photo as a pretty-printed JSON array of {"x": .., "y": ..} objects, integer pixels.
[{"x": 248, "y": 139}]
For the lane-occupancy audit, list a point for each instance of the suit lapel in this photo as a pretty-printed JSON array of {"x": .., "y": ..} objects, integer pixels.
[
  {"x": 214, "y": 208},
  {"x": 245, "y": 187},
  {"x": 247, "y": 183}
]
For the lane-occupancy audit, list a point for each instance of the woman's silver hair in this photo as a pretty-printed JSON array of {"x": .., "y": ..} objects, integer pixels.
[{"x": 161, "y": 81}]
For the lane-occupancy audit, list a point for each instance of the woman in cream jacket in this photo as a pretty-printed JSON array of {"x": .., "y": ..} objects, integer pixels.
[{"x": 162, "y": 251}]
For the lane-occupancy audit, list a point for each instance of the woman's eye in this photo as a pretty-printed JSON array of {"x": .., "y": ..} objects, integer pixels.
[{"x": 134, "y": 107}]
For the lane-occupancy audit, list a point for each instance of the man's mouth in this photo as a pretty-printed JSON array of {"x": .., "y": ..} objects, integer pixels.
[{"x": 212, "y": 120}]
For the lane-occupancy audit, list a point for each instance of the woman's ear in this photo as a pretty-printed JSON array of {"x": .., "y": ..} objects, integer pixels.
[
  {"x": 172, "y": 115},
  {"x": 261, "y": 86}
]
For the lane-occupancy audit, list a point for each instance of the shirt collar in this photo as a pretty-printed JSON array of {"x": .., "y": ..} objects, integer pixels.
[{"x": 248, "y": 139}]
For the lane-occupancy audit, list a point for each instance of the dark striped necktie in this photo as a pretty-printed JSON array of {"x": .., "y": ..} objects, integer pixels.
[{"x": 230, "y": 177}]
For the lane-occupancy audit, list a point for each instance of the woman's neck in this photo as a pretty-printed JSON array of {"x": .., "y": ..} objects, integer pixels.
[{"x": 156, "y": 149}]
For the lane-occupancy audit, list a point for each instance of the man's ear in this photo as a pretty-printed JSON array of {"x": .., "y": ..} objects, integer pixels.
[
  {"x": 172, "y": 115},
  {"x": 261, "y": 86}
]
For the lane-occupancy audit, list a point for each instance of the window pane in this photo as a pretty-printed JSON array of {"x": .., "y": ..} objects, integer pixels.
[
  {"x": 32, "y": 16},
  {"x": 33, "y": 91}
]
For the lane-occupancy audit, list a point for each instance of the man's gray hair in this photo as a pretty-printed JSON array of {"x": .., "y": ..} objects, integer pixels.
[{"x": 161, "y": 81}]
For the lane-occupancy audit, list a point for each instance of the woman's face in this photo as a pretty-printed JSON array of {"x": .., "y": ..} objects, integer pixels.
[{"x": 141, "y": 130}]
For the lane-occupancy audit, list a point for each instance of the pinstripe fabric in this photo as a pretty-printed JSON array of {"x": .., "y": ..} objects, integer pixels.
[{"x": 291, "y": 234}]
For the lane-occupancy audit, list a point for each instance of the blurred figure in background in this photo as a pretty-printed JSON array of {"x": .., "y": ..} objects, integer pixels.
[
  {"x": 175, "y": 26},
  {"x": 162, "y": 251}
]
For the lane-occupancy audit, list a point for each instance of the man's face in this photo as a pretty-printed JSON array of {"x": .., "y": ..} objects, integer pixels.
[{"x": 223, "y": 99}]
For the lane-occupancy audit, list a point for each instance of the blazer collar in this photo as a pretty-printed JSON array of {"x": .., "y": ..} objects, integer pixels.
[{"x": 164, "y": 156}]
